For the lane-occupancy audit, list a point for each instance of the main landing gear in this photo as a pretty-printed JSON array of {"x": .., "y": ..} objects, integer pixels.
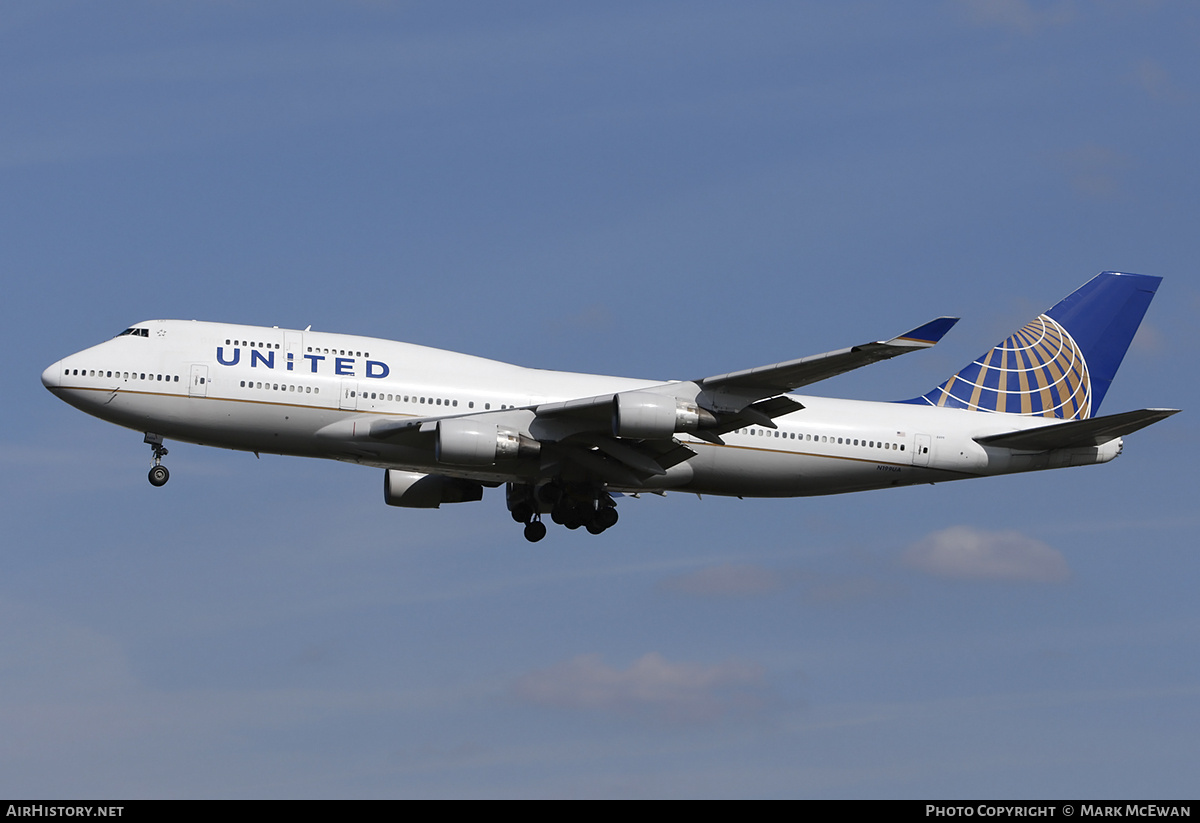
[
  {"x": 592, "y": 509},
  {"x": 158, "y": 472}
]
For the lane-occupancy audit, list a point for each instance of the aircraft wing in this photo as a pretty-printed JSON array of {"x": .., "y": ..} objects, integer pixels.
[
  {"x": 1094, "y": 431},
  {"x": 779, "y": 378},
  {"x": 389, "y": 428},
  {"x": 735, "y": 391},
  {"x": 628, "y": 436},
  {"x": 729, "y": 401},
  {"x": 585, "y": 441}
]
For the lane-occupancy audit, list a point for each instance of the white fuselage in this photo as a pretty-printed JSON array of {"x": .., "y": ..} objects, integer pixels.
[{"x": 316, "y": 394}]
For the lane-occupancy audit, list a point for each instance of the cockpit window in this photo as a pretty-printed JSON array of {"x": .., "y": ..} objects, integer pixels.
[{"x": 135, "y": 332}]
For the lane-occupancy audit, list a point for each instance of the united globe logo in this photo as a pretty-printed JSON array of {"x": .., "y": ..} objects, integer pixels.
[{"x": 1040, "y": 370}]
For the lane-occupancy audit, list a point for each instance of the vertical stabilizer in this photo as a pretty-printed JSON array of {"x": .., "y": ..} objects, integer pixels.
[{"x": 1061, "y": 363}]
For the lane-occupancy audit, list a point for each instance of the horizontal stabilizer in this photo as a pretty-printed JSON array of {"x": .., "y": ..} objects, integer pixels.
[{"x": 1093, "y": 431}]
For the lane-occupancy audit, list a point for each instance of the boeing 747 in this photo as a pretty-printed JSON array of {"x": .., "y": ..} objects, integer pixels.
[{"x": 444, "y": 426}]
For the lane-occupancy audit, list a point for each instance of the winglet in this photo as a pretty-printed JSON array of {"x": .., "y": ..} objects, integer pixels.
[{"x": 926, "y": 335}]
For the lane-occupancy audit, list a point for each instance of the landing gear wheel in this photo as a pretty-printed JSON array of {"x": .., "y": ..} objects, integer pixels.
[
  {"x": 158, "y": 472},
  {"x": 603, "y": 519},
  {"x": 606, "y": 517},
  {"x": 535, "y": 530},
  {"x": 522, "y": 512}
]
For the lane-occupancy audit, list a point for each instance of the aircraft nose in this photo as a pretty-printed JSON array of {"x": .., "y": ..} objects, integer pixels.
[{"x": 52, "y": 376}]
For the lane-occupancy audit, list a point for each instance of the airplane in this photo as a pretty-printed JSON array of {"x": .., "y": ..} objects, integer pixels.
[{"x": 443, "y": 425}]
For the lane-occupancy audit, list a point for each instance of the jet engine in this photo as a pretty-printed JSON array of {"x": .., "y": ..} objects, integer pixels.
[
  {"x": 646, "y": 416},
  {"x": 463, "y": 441},
  {"x": 427, "y": 491}
]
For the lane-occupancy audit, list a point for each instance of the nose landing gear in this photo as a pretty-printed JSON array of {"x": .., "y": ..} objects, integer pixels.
[
  {"x": 535, "y": 530},
  {"x": 158, "y": 473}
]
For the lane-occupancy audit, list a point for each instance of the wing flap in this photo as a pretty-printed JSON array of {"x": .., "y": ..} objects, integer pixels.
[
  {"x": 1093, "y": 431},
  {"x": 599, "y": 406}
]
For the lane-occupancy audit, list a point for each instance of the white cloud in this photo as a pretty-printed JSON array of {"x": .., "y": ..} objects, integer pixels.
[
  {"x": 1095, "y": 171},
  {"x": 1149, "y": 339},
  {"x": 726, "y": 580},
  {"x": 972, "y": 554},
  {"x": 1153, "y": 78},
  {"x": 1018, "y": 15},
  {"x": 678, "y": 692}
]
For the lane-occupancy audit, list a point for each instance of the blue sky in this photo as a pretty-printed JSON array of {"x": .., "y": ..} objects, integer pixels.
[{"x": 658, "y": 190}]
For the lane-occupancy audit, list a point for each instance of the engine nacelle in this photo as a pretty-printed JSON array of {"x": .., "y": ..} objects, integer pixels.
[
  {"x": 646, "y": 416},
  {"x": 465, "y": 441},
  {"x": 427, "y": 491}
]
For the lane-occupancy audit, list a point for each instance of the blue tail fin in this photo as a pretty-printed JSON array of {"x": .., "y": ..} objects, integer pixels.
[{"x": 1061, "y": 364}]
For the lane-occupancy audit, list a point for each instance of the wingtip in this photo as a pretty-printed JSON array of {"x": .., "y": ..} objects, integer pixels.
[{"x": 927, "y": 334}]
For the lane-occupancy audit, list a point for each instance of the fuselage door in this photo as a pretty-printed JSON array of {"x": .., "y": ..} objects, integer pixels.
[
  {"x": 349, "y": 400},
  {"x": 920, "y": 456},
  {"x": 198, "y": 384},
  {"x": 294, "y": 345}
]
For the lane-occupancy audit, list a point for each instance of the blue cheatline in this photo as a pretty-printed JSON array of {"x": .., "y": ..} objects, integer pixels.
[{"x": 1061, "y": 363}]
